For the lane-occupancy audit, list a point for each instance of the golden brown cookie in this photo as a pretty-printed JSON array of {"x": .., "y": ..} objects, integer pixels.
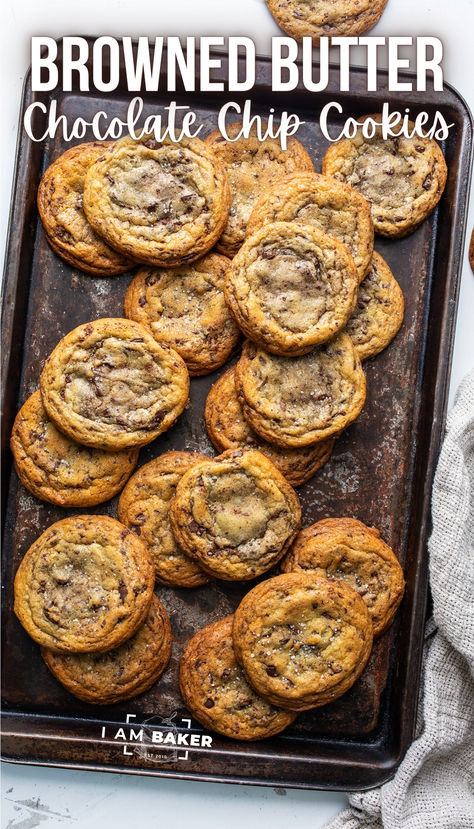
[
  {"x": 122, "y": 673},
  {"x": 185, "y": 308},
  {"x": 214, "y": 688},
  {"x": 324, "y": 203},
  {"x": 56, "y": 469},
  {"x": 291, "y": 288},
  {"x": 60, "y": 196},
  {"x": 160, "y": 202},
  {"x": 236, "y": 514},
  {"x": 297, "y": 401},
  {"x": 108, "y": 384},
  {"x": 319, "y": 18},
  {"x": 84, "y": 585},
  {"x": 228, "y": 429},
  {"x": 302, "y": 641},
  {"x": 379, "y": 311},
  {"x": 347, "y": 550},
  {"x": 144, "y": 508},
  {"x": 402, "y": 178},
  {"x": 252, "y": 166}
]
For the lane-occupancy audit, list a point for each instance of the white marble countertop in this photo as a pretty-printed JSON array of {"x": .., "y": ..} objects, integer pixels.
[{"x": 57, "y": 797}]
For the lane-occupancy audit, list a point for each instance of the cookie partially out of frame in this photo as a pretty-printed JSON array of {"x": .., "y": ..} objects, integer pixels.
[
  {"x": 324, "y": 203},
  {"x": 144, "y": 508},
  {"x": 236, "y": 514},
  {"x": 57, "y": 469},
  {"x": 84, "y": 585},
  {"x": 291, "y": 288},
  {"x": 214, "y": 688},
  {"x": 228, "y": 429},
  {"x": 60, "y": 205},
  {"x": 252, "y": 166},
  {"x": 318, "y": 18},
  {"x": 184, "y": 307},
  {"x": 298, "y": 401},
  {"x": 121, "y": 673},
  {"x": 108, "y": 384},
  {"x": 302, "y": 641},
  {"x": 379, "y": 310},
  {"x": 402, "y": 178},
  {"x": 162, "y": 203},
  {"x": 347, "y": 550}
]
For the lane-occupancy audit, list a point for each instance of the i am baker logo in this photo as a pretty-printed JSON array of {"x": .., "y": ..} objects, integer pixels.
[{"x": 158, "y": 739}]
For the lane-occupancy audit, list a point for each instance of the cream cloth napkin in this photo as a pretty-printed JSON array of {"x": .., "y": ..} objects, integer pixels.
[{"x": 434, "y": 785}]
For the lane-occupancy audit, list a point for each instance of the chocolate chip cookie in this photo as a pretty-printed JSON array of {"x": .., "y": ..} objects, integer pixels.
[
  {"x": 297, "y": 401},
  {"x": 185, "y": 308},
  {"x": 236, "y": 514},
  {"x": 324, "y": 203},
  {"x": 122, "y": 673},
  {"x": 84, "y": 585},
  {"x": 349, "y": 551},
  {"x": 252, "y": 166},
  {"x": 302, "y": 641},
  {"x": 291, "y": 288},
  {"x": 228, "y": 429},
  {"x": 60, "y": 197},
  {"x": 144, "y": 508},
  {"x": 379, "y": 310},
  {"x": 56, "y": 469},
  {"x": 319, "y": 18},
  {"x": 402, "y": 178},
  {"x": 162, "y": 203},
  {"x": 108, "y": 384},
  {"x": 215, "y": 689}
]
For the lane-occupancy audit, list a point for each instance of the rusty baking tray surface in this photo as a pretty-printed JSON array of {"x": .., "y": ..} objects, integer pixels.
[{"x": 380, "y": 472}]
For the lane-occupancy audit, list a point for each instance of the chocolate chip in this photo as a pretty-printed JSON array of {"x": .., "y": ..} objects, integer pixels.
[
  {"x": 123, "y": 591},
  {"x": 152, "y": 144},
  {"x": 271, "y": 670},
  {"x": 157, "y": 419},
  {"x": 427, "y": 183},
  {"x": 209, "y": 703}
]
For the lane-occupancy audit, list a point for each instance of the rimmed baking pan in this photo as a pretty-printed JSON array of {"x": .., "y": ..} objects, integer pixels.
[{"x": 380, "y": 472}]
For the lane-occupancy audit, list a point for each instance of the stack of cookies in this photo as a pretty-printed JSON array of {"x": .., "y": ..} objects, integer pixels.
[
  {"x": 296, "y": 641},
  {"x": 84, "y": 592},
  {"x": 231, "y": 238}
]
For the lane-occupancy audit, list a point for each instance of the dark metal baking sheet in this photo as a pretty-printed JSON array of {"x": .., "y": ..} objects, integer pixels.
[{"x": 380, "y": 472}]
